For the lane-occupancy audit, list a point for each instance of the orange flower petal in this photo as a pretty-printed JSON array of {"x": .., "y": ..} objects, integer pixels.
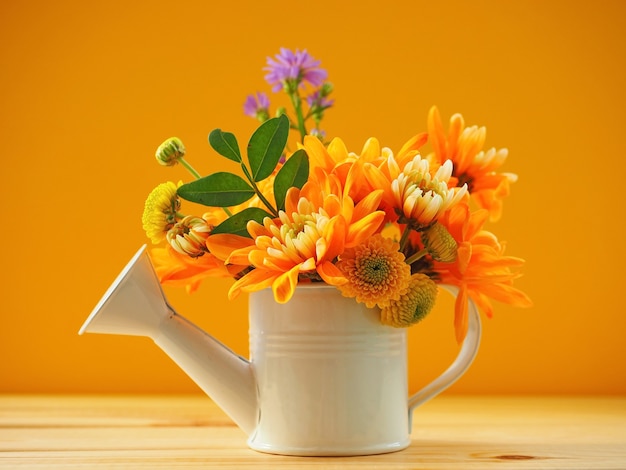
[
  {"x": 256, "y": 279},
  {"x": 361, "y": 230},
  {"x": 460, "y": 315},
  {"x": 409, "y": 149},
  {"x": 318, "y": 156},
  {"x": 335, "y": 233},
  {"x": 223, "y": 244},
  {"x": 285, "y": 285},
  {"x": 463, "y": 256},
  {"x": 506, "y": 294},
  {"x": 291, "y": 201},
  {"x": 337, "y": 150},
  {"x": 371, "y": 150},
  {"x": 368, "y": 204},
  {"x": 240, "y": 256},
  {"x": 331, "y": 274}
]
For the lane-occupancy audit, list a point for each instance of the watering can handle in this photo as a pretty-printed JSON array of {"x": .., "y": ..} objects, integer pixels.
[{"x": 462, "y": 362}]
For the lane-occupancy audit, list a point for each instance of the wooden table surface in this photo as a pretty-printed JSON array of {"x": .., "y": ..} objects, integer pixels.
[{"x": 450, "y": 432}]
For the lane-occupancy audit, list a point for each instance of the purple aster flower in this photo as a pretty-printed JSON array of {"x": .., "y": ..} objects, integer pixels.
[
  {"x": 319, "y": 100},
  {"x": 292, "y": 69},
  {"x": 257, "y": 106}
]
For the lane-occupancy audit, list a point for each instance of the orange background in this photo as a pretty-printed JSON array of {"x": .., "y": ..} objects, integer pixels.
[{"x": 90, "y": 90}]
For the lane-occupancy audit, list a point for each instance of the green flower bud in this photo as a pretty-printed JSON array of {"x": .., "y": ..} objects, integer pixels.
[
  {"x": 170, "y": 151},
  {"x": 262, "y": 115},
  {"x": 326, "y": 89},
  {"x": 439, "y": 243}
]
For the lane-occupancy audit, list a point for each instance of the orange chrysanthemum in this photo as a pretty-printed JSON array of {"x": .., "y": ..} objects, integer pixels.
[
  {"x": 375, "y": 271},
  {"x": 318, "y": 223},
  {"x": 472, "y": 165},
  {"x": 350, "y": 167},
  {"x": 481, "y": 270}
]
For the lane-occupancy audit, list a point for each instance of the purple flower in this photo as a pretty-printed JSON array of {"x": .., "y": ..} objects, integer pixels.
[
  {"x": 319, "y": 100},
  {"x": 257, "y": 107},
  {"x": 292, "y": 69}
]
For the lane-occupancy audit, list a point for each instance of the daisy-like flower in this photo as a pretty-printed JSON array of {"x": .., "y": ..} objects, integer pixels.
[
  {"x": 421, "y": 197},
  {"x": 160, "y": 211},
  {"x": 188, "y": 236},
  {"x": 257, "y": 106},
  {"x": 289, "y": 69},
  {"x": 316, "y": 226},
  {"x": 412, "y": 306},
  {"x": 481, "y": 270},
  {"x": 376, "y": 272},
  {"x": 472, "y": 165}
]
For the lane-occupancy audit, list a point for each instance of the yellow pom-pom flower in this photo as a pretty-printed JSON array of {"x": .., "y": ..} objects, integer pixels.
[
  {"x": 413, "y": 305},
  {"x": 375, "y": 270},
  {"x": 160, "y": 211}
]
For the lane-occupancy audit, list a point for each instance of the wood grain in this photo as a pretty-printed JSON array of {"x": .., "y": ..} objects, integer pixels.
[{"x": 451, "y": 432}]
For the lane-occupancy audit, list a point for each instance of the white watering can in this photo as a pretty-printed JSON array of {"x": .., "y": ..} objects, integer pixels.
[{"x": 324, "y": 376}]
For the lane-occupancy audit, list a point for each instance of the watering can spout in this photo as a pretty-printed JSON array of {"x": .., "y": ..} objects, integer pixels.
[{"x": 135, "y": 305}]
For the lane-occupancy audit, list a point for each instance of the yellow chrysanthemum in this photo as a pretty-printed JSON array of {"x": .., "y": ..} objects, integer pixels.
[
  {"x": 376, "y": 272},
  {"x": 160, "y": 211},
  {"x": 412, "y": 306}
]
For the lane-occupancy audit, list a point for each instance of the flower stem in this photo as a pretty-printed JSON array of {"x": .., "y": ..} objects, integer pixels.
[
  {"x": 415, "y": 256},
  {"x": 405, "y": 237},
  {"x": 264, "y": 200},
  {"x": 297, "y": 106},
  {"x": 258, "y": 191},
  {"x": 189, "y": 168}
]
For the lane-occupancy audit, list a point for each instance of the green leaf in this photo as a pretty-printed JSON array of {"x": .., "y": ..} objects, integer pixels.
[
  {"x": 294, "y": 172},
  {"x": 225, "y": 144},
  {"x": 266, "y": 146},
  {"x": 236, "y": 224},
  {"x": 220, "y": 189}
]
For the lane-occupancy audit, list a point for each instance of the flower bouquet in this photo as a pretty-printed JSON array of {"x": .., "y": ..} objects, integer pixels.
[{"x": 383, "y": 228}]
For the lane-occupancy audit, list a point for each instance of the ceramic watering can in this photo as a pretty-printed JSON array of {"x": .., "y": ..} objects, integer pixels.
[{"x": 324, "y": 376}]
